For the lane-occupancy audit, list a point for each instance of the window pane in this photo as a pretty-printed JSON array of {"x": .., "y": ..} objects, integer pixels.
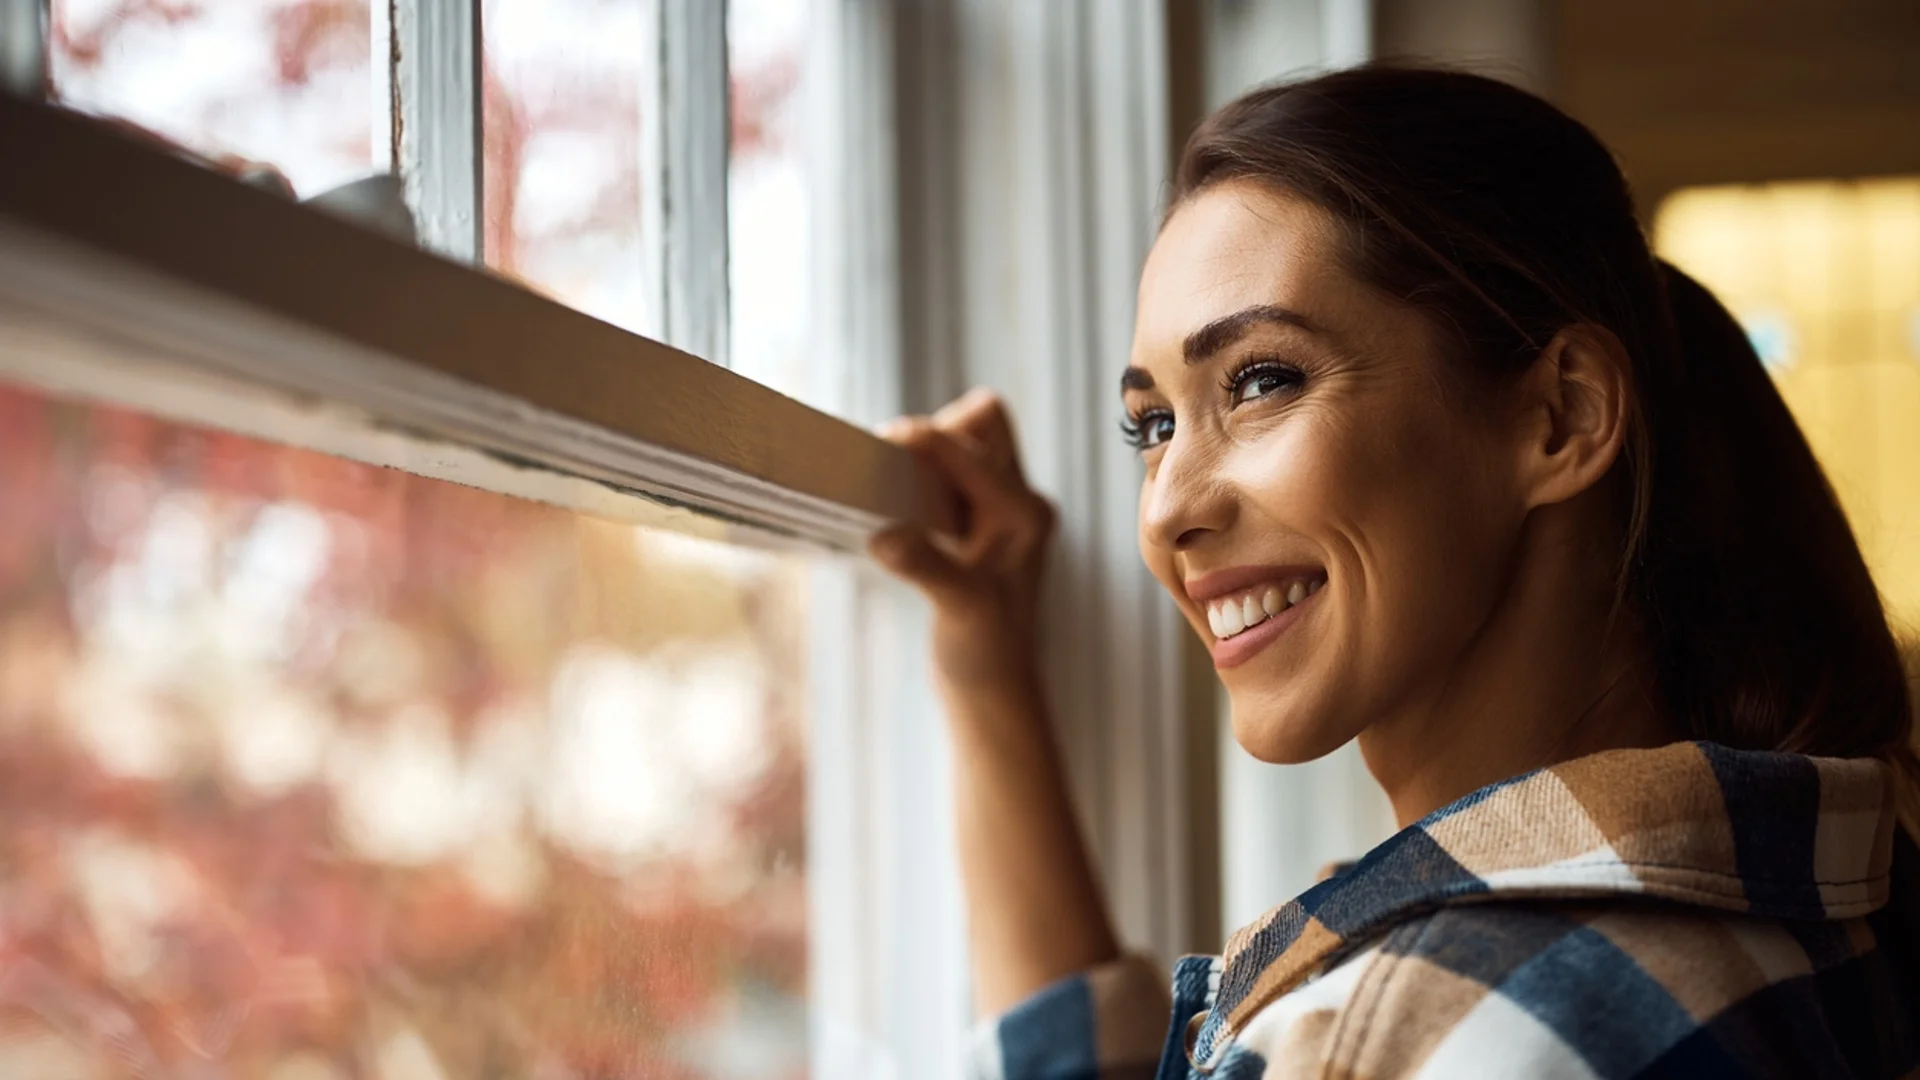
[
  {"x": 286, "y": 83},
  {"x": 562, "y": 131},
  {"x": 315, "y": 769},
  {"x": 770, "y": 258},
  {"x": 1825, "y": 276}
]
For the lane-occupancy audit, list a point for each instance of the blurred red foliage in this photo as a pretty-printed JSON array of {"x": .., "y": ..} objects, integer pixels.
[{"x": 170, "y": 921}]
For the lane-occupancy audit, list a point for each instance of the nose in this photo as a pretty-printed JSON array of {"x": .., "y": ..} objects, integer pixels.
[{"x": 1184, "y": 500}]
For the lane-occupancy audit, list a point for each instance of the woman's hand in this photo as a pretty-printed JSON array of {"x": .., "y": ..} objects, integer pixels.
[
  {"x": 984, "y": 585},
  {"x": 1034, "y": 909}
]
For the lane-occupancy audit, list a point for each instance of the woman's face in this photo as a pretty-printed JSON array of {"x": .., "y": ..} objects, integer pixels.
[{"x": 1334, "y": 518}]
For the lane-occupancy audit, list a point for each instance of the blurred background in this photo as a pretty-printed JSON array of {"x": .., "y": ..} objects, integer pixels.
[{"x": 312, "y": 770}]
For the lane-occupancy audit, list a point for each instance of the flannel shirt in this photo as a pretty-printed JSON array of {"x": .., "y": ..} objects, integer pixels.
[{"x": 1685, "y": 911}]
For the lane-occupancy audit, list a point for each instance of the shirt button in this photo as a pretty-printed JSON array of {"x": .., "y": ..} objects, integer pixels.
[{"x": 1193, "y": 1041}]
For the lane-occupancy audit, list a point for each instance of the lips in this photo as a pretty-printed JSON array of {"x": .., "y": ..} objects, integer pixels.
[{"x": 1249, "y": 607}]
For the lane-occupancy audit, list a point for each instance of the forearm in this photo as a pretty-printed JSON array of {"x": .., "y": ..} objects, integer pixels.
[{"x": 1035, "y": 910}]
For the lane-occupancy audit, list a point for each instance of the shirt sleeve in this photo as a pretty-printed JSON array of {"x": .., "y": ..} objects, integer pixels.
[{"x": 1106, "y": 1023}]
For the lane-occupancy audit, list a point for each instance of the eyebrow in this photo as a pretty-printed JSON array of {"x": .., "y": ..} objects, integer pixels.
[
  {"x": 1220, "y": 333},
  {"x": 1224, "y": 331}
]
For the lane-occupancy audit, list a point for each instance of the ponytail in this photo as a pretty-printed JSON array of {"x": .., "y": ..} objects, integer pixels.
[{"x": 1766, "y": 627}]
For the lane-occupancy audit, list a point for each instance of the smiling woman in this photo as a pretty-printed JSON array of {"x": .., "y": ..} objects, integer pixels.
[{"x": 1439, "y": 459}]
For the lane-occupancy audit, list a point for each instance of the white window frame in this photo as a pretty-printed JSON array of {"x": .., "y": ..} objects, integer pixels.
[
  {"x": 438, "y": 51},
  {"x": 436, "y": 106}
]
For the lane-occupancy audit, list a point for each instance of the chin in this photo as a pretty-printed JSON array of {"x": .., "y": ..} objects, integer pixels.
[{"x": 1283, "y": 730}]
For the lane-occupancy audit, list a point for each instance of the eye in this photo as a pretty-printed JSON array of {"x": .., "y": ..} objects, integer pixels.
[
  {"x": 1261, "y": 379},
  {"x": 1148, "y": 429}
]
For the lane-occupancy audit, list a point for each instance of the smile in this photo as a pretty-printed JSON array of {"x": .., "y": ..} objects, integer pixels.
[{"x": 1236, "y": 613}]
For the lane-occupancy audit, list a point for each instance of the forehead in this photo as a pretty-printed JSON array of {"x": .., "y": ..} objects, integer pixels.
[{"x": 1229, "y": 248}]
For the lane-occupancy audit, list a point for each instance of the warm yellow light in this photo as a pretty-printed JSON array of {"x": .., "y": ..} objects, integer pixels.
[{"x": 1825, "y": 275}]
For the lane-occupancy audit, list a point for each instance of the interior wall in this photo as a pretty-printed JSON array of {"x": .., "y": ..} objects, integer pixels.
[
  {"x": 1506, "y": 39},
  {"x": 1697, "y": 91},
  {"x": 1719, "y": 91}
]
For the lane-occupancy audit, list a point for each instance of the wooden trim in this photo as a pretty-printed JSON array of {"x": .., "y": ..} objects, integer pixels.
[
  {"x": 436, "y": 73},
  {"x": 107, "y": 232}
]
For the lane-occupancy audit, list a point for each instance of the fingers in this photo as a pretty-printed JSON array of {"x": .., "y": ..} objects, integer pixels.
[
  {"x": 1008, "y": 525},
  {"x": 980, "y": 417},
  {"x": 1003, "y": 514},
  {"x": 910, "y": 554},
  {"x": 983, "y": 484}
]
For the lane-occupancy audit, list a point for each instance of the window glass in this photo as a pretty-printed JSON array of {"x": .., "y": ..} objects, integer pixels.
[
  {"x": 1826, "y": 278},
  {"x": 312, "y": 769},
  {"x": 562, "y": 125},
  {"x": 769, "y": 261},
  {"x": 284, "y": 83}
]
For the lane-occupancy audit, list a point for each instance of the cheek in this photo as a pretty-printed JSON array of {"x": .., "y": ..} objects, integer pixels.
[{"x": 1399, "y": 503}]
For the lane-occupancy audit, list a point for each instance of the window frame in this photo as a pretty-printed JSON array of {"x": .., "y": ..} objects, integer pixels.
[
  {"x": 438, "y": 103},
  {"x": 302, "y": 307},
  {"x": 437, "y": 51}
]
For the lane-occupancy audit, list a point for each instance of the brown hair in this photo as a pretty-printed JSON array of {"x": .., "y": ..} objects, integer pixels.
[{"x": 1507, "y": 221}]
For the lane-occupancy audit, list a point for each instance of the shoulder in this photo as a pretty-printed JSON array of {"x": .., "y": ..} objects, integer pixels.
[{"x": 1525, "y": 990}]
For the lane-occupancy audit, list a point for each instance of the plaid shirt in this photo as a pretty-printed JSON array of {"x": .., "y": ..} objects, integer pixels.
[{"x": 1686, "y": 911}]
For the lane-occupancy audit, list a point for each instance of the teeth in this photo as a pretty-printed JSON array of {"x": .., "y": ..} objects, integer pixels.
[
  {"x": 1231, "y": 620},
  {"x": 1235, "y": 615}
]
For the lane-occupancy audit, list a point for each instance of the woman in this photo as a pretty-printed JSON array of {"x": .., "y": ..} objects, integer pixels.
[{"x": 1437, "y": 457}]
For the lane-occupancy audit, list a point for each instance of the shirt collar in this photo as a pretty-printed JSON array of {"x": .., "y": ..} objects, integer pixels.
[{"x": 1780, "y": 836}]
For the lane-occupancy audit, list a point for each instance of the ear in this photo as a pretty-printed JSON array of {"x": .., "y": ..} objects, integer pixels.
[{"x": 1578, "y": 395}]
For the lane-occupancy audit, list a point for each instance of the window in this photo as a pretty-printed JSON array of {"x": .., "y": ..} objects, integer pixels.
[
  {"x": 563, "y": 105},
  {"x": 288, "y": 84},
  {"x": 379, "y": 701},
  {"x": 1825, "y": 275},
  {"x": 768, "y": 213},
  {"x": 311, "y": 764}
]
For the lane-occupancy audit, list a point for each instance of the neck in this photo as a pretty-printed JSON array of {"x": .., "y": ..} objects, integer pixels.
[{"x": 1555, "y": 674}]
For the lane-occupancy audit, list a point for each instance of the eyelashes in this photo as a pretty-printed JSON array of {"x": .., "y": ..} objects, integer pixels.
[
  {"x": 1250, "y": 382},
  {"x": 1266, "y": 376},
  {"x": 1148, "y": 429}
]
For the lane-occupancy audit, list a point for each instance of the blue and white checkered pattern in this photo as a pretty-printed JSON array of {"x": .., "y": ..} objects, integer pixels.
[{"x": 1685, "y": 911}]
